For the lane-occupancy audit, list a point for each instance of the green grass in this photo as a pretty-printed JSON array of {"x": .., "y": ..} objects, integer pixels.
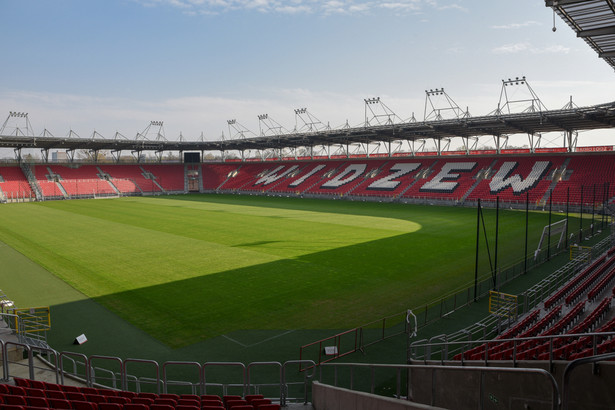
[{"x": 188, "y": 269}]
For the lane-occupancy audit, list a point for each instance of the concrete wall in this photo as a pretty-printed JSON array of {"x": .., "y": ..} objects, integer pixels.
[
  {"x": 461, "y": 390},
  {"x": 325, "y": 397}
]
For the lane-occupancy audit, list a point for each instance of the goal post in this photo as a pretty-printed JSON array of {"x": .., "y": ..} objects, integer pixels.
[{"x": 556, "y": 228}]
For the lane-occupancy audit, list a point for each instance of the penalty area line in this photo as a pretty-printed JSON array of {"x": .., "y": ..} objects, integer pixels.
[
  {"x": 234, "y": 341},
  {"x": 258, "y": 343}
]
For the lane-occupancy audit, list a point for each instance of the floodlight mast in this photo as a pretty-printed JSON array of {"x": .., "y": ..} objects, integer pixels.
[
  {"x": 12, "y": 122},
  {"x": 517, "y": 96},
  {"x": 377, "y": 113},
  {"x": 441, "y": 103},
  {"x": 527, "y": 103},
  {"x": 238, "y": 132},
  {"x": 155, "y": 128},
  {"x": 310, "y": 122},
  {"x": 268, "y": 126}
]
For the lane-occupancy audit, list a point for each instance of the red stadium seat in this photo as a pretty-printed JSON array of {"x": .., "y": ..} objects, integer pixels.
[
  {"x": 250, "y": 397},
  {"x": 17, "y": 390},
  {"x": 142, "y": 400},
  {"x": 118, "y": 399},
  {"x": 161, "y": 407},
  {"x": 30, "y": 391},
  {"x": 136, "y": 406},
  {"x": 21, "y": 382},
  {"x": 59, "y": 404},
  {"x": 55, "y": 394},
  {"x": 15, "y": 400},
  {"x": 189, "y": 402},
  {"x": 110, "y": 406},
  {"x": 75, "y": 396},
  {"x": 84, "y": 405}
]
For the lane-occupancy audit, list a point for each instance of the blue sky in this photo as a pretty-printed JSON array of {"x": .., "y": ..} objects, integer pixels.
[{"x": 116, "y": 65}]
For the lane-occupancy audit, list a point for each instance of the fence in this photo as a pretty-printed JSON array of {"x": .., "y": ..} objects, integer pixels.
[
  {"x": 494, "y": 325},
  {"x": 278, "y": 383},
  {"x": 442, "y": 393},
  {"x": 397, "y": 324}
]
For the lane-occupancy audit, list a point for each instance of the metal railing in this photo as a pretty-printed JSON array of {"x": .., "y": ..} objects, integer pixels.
[
  {"x": 447, "y": 350},
  {"x": 492, "y": 325},
  {"x": 148, "y": 375},
  {"x": 436, "y": 387}
]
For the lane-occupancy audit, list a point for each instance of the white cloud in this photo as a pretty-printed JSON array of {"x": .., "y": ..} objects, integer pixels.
[
  {"x": 516, "y": 25},
  {"x": 527, "y": 47},
  {"x": 324, "y": 7}
]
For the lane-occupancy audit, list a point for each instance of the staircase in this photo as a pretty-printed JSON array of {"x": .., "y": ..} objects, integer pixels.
[
  {"x": 32, "y": 181},
  {"x": 422, "y": 174},
  {"x": 151, "y": 177},
  {"x": 482, "y": 175}
]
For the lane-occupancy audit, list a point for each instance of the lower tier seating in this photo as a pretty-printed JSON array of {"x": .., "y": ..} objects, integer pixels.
[{"x": 29, "y": 394}]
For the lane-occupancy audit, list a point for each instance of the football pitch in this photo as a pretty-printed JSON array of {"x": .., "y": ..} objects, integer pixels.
[{"x": 186, "y": 269}]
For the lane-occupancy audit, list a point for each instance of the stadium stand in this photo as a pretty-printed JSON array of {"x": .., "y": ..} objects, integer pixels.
[
  {"x": 512, "y": 179},
  {"x": 582, "y": 177},
  {"x": 28, "y": 394},
  {"x": 593, "y": 172},
  {"x": 399, "y": 176},
  {"x": 448, "y": 179},
  {"x": 14, "y": 184},
  {"x": 49, "y": 186},
  {"x": 134, "y": 173},
  {"x": 215, "y": 175},
  {"x": 80, "y": 181},
  {"x": 585, "y": 309},
  {"x": 169, "y": 176}
]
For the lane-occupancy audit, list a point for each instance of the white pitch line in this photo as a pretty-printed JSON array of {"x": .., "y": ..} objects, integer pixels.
[
  {"x": 271, "y": 338},
  {"x": 235, "y": 341},
  {"x": 258, "y": 343}
]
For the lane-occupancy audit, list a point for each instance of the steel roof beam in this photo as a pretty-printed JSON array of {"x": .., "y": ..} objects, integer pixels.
[
  {"x": 602, "y": 31},
  {"x": 556, "y": 3}
]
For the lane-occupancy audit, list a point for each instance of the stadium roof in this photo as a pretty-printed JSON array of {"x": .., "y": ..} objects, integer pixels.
[
  {"x": 593, "y": 21},
  {"x": 534, "y": 123}
]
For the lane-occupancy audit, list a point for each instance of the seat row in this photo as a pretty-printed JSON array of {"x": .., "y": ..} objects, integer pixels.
[
  {"x": 35, "y": 393},
  {"x": 572, "y": 284}
]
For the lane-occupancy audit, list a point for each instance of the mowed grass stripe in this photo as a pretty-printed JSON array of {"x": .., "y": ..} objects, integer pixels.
[
  {"x": 112, "y": 260},
  {"x": 100, "y": 257},
  {"x": 189, "y": 268}
]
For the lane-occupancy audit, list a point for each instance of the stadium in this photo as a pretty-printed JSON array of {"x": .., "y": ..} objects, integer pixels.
[{"x": 368, "y": 266}]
